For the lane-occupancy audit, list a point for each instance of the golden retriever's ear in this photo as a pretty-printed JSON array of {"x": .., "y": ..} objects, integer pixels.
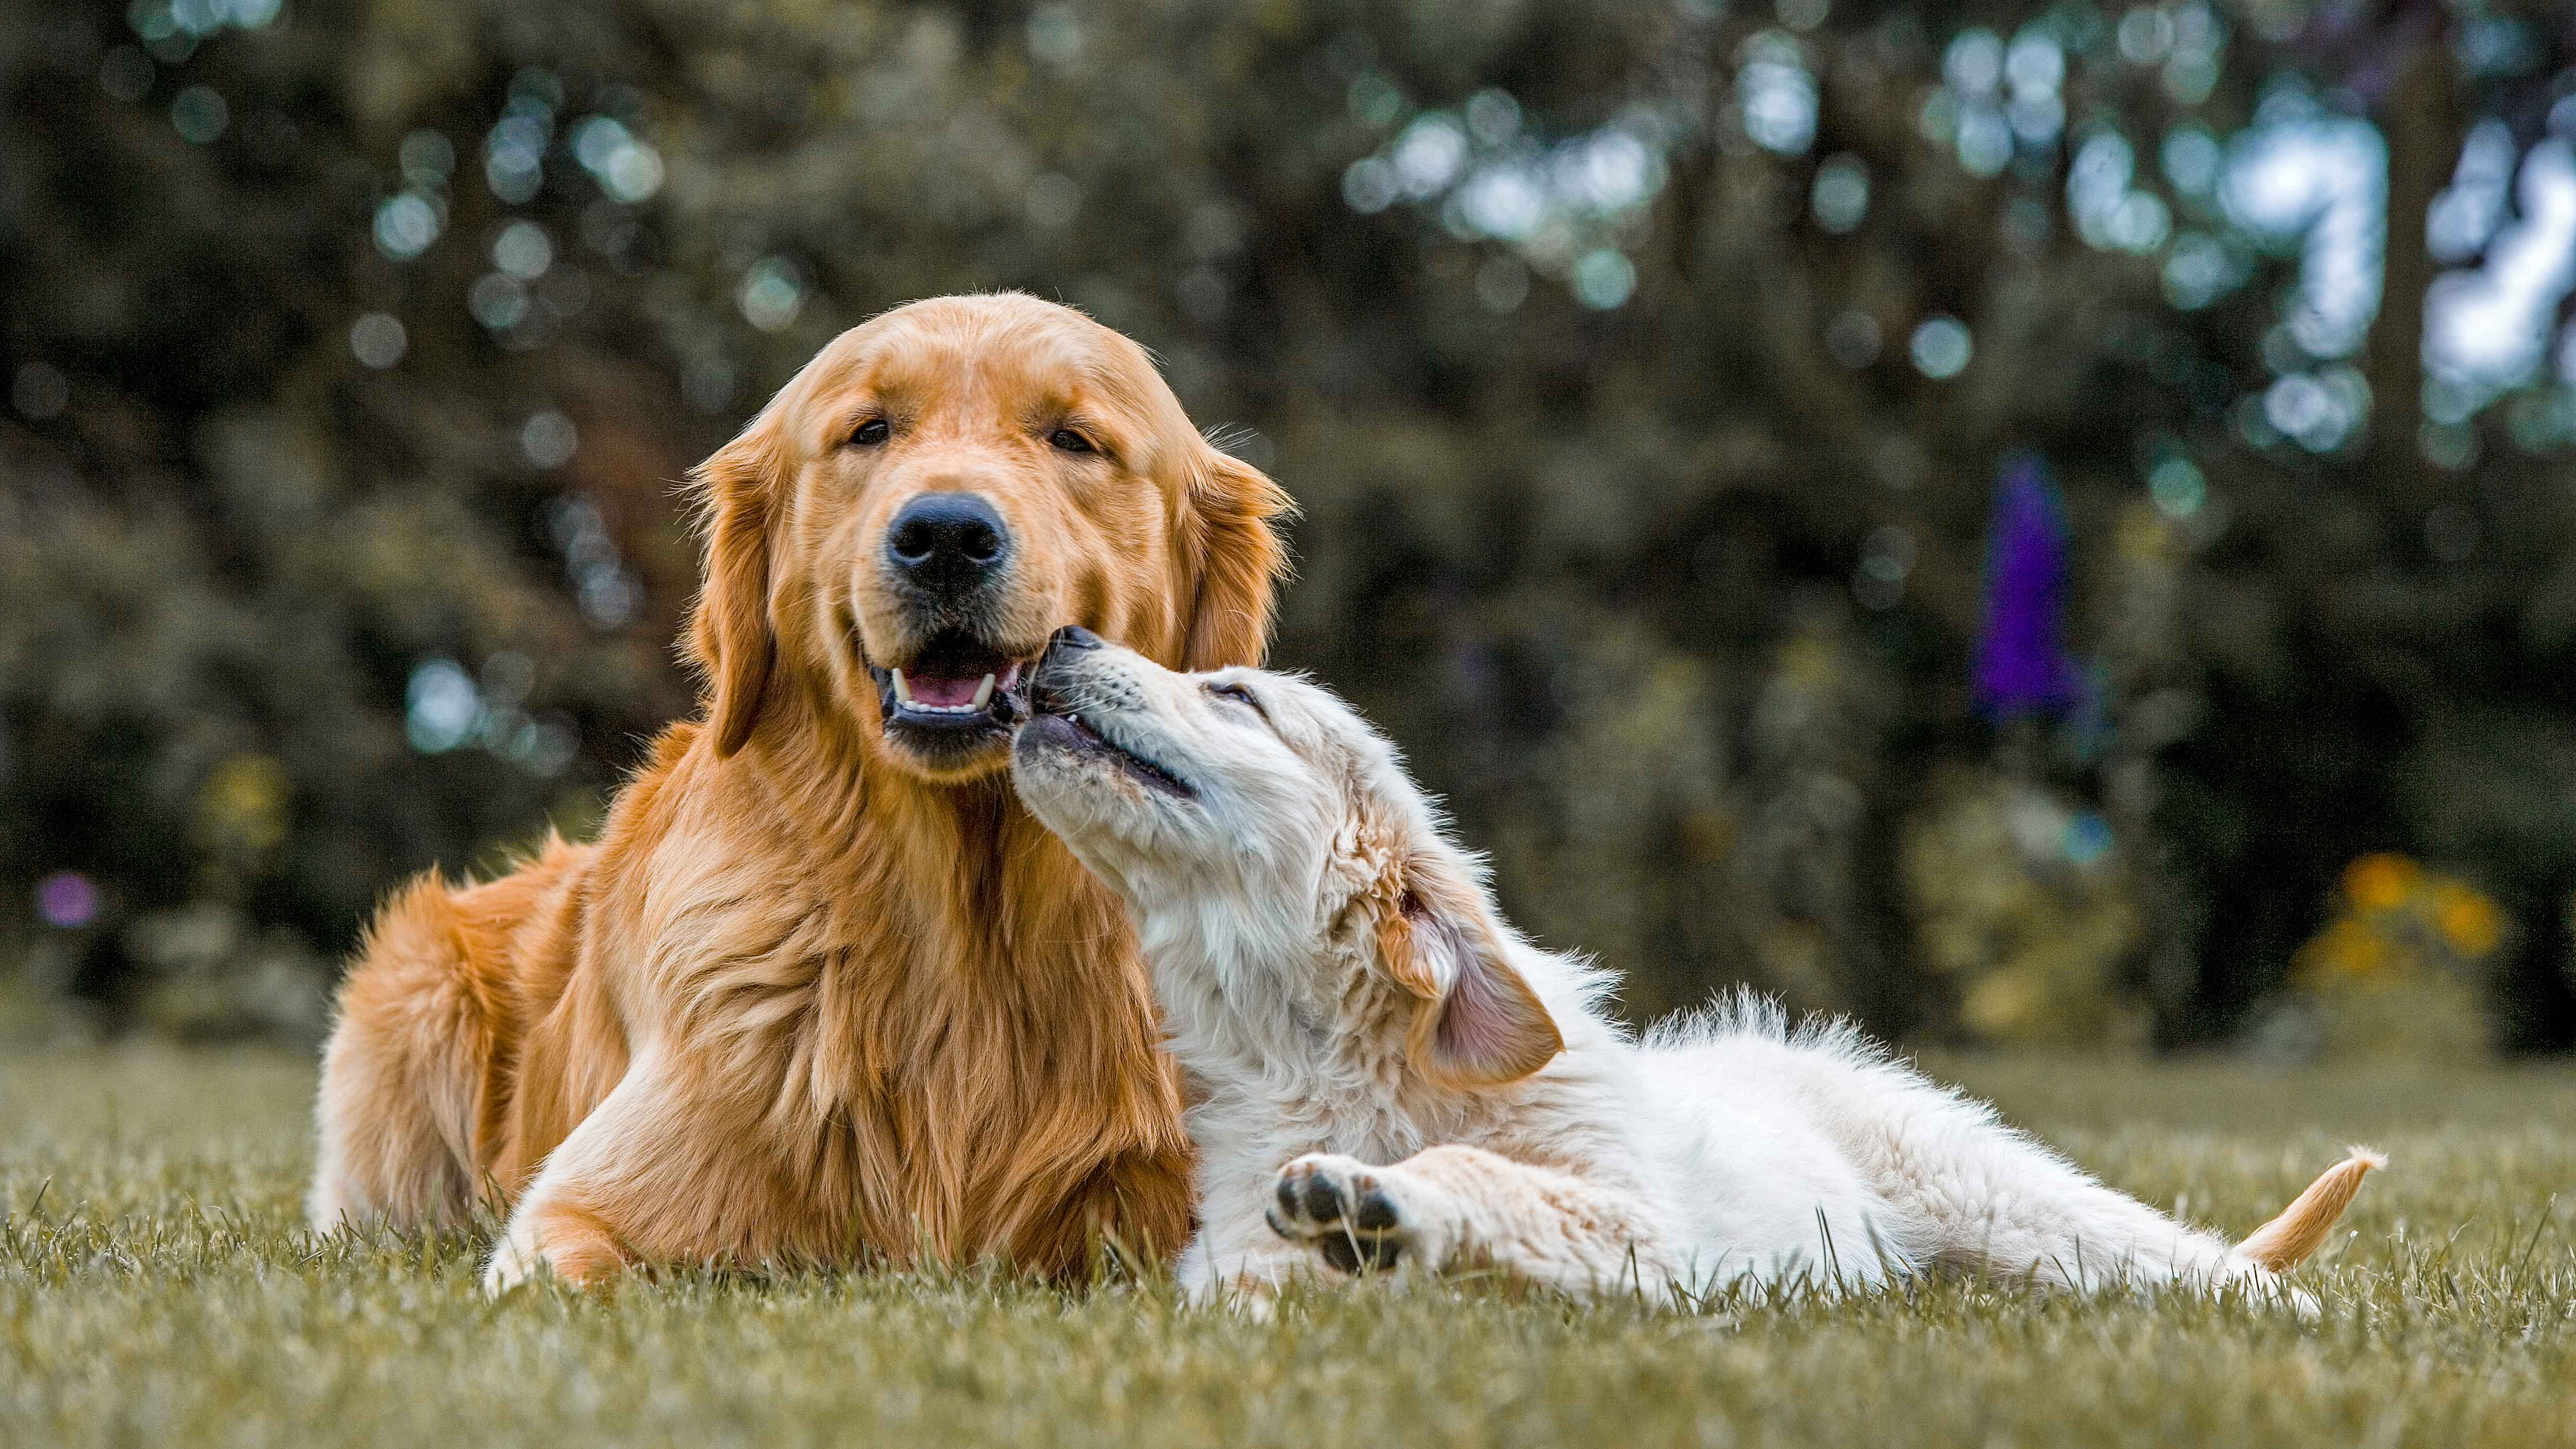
[
  {"x": 1480, "y": 1025},
  {"x": 730, "y": 640},
  {"x": 1236, "y": 561}
]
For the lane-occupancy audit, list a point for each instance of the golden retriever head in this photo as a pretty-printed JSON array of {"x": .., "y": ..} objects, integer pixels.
[{"x": 903, "y": 527}]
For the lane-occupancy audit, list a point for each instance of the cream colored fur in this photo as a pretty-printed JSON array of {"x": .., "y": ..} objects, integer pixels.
[{"x": 1386, "y": 1074}]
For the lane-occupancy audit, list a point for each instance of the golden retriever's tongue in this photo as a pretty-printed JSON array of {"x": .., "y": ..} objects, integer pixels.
[
  {"x": 947, "y": 693},
  {"x": 941, "y": 691}
]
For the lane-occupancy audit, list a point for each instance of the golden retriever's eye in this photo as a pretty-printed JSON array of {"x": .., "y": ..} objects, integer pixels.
[
  {"x": 1239, "y": 695},
  {"x": 872, "y": 432},
  {"x": 1066, "y": 440}
]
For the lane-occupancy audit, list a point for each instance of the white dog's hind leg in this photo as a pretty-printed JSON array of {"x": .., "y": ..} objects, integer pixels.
[
  {"x": 1457, "y": 1207},
  {"x": 1990, "y": 1199}
]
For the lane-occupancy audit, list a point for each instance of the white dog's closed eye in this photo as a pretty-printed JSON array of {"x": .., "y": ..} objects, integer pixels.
[{"x": 1241, "y": 694}]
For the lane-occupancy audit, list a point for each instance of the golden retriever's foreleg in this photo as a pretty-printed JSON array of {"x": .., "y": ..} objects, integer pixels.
[
  {"x": 640, "y": 1179},
  {"x": 1455, "y": 1208}
]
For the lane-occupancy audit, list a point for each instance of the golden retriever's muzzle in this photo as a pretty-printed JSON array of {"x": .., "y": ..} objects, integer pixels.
[
  {"x": 1065, "y": 714},
  {"x": 949, "y": 558}
]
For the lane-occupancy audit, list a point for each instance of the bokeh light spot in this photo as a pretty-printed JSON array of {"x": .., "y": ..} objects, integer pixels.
[
  {"x": 200, "y": 115},
  {"x": 1985, "y": 140},
  {"x": 406, "y": 225},
  {"x": 67, "y": 900},
  {"x": 1428, "y": 156},
  {"x": 1779, "y": 100},
  {"x": 2088, "y": 838},
  {"x": 427, "y": 159},
  {"x": 1853, "y": 338},
  {"x": 1841, "y": 193},
  {"x": 1941, "y": 347},
  {"x": 2177, "y": 487},
  {"x": 377, "y": 340},
  {"x": 442, "y": 706},
  {"x": 1055, "y": 36},
  {"x": 2192, "y": 158},
  {"x": 1604, "y": 278},
  {"x": 523, "y": 251},
  {"x": 1804, "y": 14},
  {"x": 548, "y": 439},
  {"x": 497, "y": 301},
  {"x": 772, "y": 293},
  {"x": 2146, "y": 35},
  {"x": 1974, "y": 63},
  {"x": 1493, "y": 117}
]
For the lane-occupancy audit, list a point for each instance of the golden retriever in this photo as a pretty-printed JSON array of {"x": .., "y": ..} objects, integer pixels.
[
  {"x": 822, "y": 991},
  {"x": 1390, "y": 1076}
]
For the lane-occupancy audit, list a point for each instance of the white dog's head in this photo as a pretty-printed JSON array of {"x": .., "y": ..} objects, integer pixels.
[{"x": 1278, "y": 861}]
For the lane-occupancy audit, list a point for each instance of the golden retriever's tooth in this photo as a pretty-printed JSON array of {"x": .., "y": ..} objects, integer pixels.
[
  {"x": 902, "y": 691},
  {"x": 983, "y": 693}
]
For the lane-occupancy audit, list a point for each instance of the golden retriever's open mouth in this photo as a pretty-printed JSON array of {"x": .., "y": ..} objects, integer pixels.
[{"x": 955, "y": 697}]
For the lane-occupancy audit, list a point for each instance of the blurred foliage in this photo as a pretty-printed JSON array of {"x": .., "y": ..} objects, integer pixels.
[
  {"x": 1646, "y": 371},
  {"x": 2021, "y": 902}
]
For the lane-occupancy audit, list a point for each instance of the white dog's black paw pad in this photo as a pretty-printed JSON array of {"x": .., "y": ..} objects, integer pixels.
[
  {"x": 1350, "y": 1252},
  {"x": 1346, "y": 1215},
  {"x": 1310, "y": 1197}
]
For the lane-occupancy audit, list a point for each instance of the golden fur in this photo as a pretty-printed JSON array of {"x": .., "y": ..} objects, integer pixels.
[{"x": 811, "y": 998}]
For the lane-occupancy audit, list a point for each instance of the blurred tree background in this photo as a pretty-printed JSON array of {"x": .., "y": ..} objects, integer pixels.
[{"x": 2022, "y": 522}]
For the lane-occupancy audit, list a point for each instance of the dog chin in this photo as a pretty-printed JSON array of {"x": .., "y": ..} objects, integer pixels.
[{"x": 1075, "y": 788}]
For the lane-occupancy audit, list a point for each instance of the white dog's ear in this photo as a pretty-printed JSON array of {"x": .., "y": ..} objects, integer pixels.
[{"x": 1480, "y": 1024}]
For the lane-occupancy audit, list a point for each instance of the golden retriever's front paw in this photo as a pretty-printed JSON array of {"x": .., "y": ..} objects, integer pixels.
[
  {"x": 1359, "y": 1218},
  {"x": 512, "y": 1264}
]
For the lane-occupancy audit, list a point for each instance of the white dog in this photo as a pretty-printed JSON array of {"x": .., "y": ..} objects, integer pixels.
[{"x": 1445, "y": 1095}]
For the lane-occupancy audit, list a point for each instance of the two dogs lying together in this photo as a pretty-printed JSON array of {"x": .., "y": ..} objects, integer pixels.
[{"x": 956, "y": 931}]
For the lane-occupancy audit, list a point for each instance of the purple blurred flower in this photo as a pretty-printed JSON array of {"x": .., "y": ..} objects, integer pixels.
[
  {"x": 2022, "y": 667},
  {"x": 67, "y": 899}
]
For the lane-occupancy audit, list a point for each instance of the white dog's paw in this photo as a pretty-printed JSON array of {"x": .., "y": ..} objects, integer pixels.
[{"x": 1359, "y": 1218}]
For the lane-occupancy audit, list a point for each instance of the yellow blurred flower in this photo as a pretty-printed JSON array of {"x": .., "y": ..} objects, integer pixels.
[
  {"x": 2381, "y": 882},
  {"x": 2468, "y": 920},
  {"x": 2346, "y": 947},
  {"x": 2399, "y": 970}
]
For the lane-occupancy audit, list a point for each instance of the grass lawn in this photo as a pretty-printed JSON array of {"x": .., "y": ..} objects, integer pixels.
[{"x": 156, "y": 1288}]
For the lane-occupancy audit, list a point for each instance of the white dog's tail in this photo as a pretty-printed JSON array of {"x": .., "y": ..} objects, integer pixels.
[{"x": 2286, "y": 1241}]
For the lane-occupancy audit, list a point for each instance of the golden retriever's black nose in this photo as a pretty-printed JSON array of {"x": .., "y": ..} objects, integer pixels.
[{"x": 948, "y": 544}]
